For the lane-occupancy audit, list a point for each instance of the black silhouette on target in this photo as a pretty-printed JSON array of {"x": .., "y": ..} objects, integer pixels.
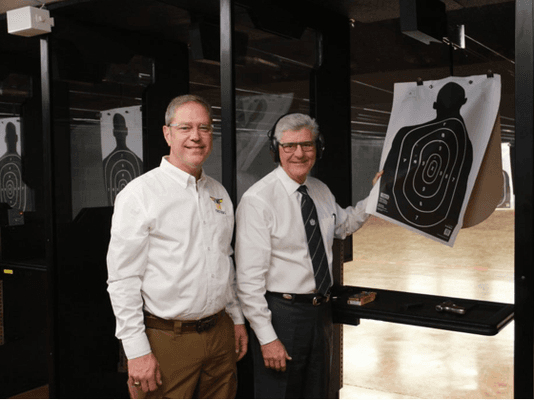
[
  {"x": 426, "y": 171},
  {"x": 122, "y": 165},
  {"x": 13, "y": 190}
]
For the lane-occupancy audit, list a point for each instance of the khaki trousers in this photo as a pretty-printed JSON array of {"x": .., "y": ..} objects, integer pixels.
[{"x": 195, "y": 365}]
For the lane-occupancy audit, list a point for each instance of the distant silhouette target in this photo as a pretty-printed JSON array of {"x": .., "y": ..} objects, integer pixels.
[
  {"x": 122, "y": 165},
  {"x": 10, "y": 180},
  {"x": 120, "y": 169},
  {"x": 13, "y": 190}
]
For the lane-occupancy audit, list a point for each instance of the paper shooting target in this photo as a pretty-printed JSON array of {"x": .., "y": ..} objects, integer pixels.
[
  {"x": 13, "y": 190},
  {"x": 436, "y": 140},
  {"x": 122, "y": 164},
  {"x": 425, "y": 176}
]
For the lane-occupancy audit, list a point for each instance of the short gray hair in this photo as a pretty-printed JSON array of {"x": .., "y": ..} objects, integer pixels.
[
  {"x": 296, "y": 122},
  {"x": 180, "y": 101}
]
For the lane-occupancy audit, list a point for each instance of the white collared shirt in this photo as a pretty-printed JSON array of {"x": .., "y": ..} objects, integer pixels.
[
  {"x": 170, "y": 253},
  {"x": 271, "y": 245}
]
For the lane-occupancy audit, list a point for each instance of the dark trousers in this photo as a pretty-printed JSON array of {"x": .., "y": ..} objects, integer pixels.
[{"x": 306, "y": 332}]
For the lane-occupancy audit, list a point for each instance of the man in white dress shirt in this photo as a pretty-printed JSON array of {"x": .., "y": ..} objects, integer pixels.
[
  {"x": 171, "y": 277},
  {"x": 287, "y": 307}
]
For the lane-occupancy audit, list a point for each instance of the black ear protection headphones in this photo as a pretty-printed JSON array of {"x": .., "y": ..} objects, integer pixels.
[{"x": 273, "y": 147}]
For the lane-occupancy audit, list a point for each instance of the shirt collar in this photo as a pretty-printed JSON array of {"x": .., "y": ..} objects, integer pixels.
[
  {"x": 182, "y": 177},
  {"x": 289, "y": 184}
]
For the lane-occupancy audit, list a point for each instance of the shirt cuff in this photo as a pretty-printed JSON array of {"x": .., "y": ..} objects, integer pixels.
[
  {"x": 236, "y": 315},
  {"x": 266, "y": 334},
  {"x": 136, "y": 347}
]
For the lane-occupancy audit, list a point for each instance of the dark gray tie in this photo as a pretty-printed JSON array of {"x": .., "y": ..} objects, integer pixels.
[{"x": 315, "y": 242}]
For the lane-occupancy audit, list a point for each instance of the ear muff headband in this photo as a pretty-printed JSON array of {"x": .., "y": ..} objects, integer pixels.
[{"x": 273, "y": 146}]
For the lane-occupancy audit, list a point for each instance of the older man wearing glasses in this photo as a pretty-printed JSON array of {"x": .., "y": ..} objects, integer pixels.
[
  {"x": 171, "y": 278},
  {"x": 286, "y": 224}
]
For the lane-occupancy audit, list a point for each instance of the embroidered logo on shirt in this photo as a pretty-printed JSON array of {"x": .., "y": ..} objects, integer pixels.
[{"x": 218, "y": 204}]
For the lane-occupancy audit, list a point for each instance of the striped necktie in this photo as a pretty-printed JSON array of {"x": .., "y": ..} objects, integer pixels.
[{"x": 315, "y": 242}]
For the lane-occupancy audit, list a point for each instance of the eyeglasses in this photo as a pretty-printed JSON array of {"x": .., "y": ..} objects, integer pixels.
[
  {"x": 292, "y": 147},
  {"x": 187, "y": 128}
]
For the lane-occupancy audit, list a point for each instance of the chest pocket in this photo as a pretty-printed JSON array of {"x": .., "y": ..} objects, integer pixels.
[{"x": 220, "y": 219}]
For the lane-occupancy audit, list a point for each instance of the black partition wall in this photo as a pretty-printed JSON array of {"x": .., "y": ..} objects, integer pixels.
[
  {"x": 524, "y": 257},
  {"x": 126, "y": 97},
  {"x": 105, "y": 123},
  {"x": 23, "y": 273}
]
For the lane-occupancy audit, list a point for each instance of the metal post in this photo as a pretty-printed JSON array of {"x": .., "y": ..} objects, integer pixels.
[
  {"x": 49, "y": 212},
  {"x": 524, "y": 156},
  {"x": 228, "y": 125},
  {"x": 332, "y": 111}
]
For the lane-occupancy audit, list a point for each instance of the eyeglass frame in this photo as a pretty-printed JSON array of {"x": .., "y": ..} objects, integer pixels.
[
  {"x": 291, "y": 147},
  {"x": 209, "y": 128}
]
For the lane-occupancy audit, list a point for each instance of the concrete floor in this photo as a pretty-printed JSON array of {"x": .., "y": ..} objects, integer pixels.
[{"x": 383, "y": 360}]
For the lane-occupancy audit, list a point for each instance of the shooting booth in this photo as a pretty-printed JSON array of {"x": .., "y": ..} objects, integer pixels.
[{"x": 82, "y": 108}]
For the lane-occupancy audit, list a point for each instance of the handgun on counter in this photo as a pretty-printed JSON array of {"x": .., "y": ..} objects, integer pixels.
[{"x": 449, "y": 306}]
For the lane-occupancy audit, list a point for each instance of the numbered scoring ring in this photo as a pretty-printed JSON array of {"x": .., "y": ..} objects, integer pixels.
[{"x": 431, "y": 159}]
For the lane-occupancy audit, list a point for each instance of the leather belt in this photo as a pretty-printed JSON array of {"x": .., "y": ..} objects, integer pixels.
[
  {"x": 315, "y": 299},
  {"x": 178, "y": 326}
]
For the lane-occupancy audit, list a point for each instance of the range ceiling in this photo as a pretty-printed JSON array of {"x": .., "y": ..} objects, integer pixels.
[
  {"x": 380, "y": 54},
  {"x": 360, "y": 10}
]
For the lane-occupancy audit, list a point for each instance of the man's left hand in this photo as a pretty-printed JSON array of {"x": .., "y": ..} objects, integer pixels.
[
  {"x": 241, "y": 341},
  {"x": 377, "y": 176}
]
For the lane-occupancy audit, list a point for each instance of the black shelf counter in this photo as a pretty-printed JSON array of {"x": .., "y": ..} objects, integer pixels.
[{"x": 480, "y": 317}]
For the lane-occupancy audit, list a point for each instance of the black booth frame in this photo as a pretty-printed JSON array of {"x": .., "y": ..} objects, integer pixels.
[
  {"x": 524, "y": 156},
  {"x": 524, "y": 252}
]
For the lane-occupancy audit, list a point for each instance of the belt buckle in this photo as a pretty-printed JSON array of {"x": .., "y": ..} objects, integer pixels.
[
  {"x": 320, "y": 299},
  {"x": 202, "y": 326},
  {"x": 206, "y": 323}
]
